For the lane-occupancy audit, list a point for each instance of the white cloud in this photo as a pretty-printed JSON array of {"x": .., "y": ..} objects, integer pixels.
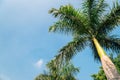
[
  {"x": 4, "y": 77},
  {"x": 39, "y": 63}
]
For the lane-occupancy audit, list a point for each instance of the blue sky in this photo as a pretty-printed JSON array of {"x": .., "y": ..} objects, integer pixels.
[{"x": 25, "y": 43}]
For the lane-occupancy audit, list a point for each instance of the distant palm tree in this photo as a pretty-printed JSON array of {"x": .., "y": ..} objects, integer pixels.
[
  {"x": 90, "y": 26},
  {"x": 66, "y": 72}
]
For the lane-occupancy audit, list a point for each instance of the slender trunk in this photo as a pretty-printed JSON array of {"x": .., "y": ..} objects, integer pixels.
[{"x": 108, "y": 67}]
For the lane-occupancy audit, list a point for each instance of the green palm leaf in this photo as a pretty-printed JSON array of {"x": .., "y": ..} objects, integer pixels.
[
  {"x": 68, "y": 51},
  {"x": 111, "y": 43},
  {"x": 110, "y": 21},
  {"x": 66, "y": 72},
  {"x": 71, "y": 20}
]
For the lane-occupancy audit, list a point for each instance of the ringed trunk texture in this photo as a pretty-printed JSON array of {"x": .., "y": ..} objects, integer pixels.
[{"x": 108, "y": 66}]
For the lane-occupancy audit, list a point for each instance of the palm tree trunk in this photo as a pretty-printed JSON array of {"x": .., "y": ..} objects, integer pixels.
[{"x": 108, "y": 67}]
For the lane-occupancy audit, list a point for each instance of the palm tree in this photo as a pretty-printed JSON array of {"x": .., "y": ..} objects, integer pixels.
[
  {"x": 100, "y": 75},
  {"x": 66, "y": 72},
  {"x": 90, "y": 26}
]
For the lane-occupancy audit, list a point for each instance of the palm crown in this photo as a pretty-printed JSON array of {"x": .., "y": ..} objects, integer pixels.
[
  {"x": 93, "y": 20},
  {"x": 66, "y": 72}
]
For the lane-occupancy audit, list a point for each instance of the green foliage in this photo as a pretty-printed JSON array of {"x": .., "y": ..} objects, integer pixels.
[
  {"x": 66, "y": 72},
  {"x": 116, "y": 61},
  {"x": 101, "y": 75},
  {"x": 70, "y": 19},
  {"x": 93, "y": 20}
]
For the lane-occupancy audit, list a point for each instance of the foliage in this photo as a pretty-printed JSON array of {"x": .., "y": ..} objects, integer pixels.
[
  {"x": 66, "y": 72},
  {"x": 93, "y": 20},
  {"x": 101, "y": 75}
]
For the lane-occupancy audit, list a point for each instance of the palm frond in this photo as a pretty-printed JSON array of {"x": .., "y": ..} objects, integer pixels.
[
  {"x": 65, "y": 72},
  {"x": 69, "y": 70},
  {"x": 98, "y": 12},
  {"x": 53, "y": 68},
  {"x": 62, "y": 27},
  {"x": 43, "y": 77},
  {"x": 94, "y": 10},
  {"x": 110, "y": 21},
  {"x": 71, "y": 20},
  {"x": 88, "y": 7},
  {"x": 68, "y": 51},
  {"x": 100, "y": 8},
  {"x": 111, "y": 43}
]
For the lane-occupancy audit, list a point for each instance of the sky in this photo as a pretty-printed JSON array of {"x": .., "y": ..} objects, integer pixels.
[{"x": 26, "y": 45}]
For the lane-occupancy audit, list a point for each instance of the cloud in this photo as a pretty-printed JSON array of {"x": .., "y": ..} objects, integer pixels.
[
  {"x": 4, "y": 77},
  {"x": 39, "y": 63}
]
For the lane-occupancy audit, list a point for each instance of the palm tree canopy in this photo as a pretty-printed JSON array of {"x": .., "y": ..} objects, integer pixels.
[
  {"x": 93, "y": 20},
  {"x": 66, "y": 72}
]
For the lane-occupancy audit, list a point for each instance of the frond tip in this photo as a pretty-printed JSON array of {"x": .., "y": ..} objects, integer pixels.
[
  {"x": 68, "y": 51},
  {"x": 110, "y": 21}
]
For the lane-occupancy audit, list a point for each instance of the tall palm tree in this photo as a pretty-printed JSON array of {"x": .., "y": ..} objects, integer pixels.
[
  {"x": 90, "y": 26},
  {"x": 66, "y": 72}
]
